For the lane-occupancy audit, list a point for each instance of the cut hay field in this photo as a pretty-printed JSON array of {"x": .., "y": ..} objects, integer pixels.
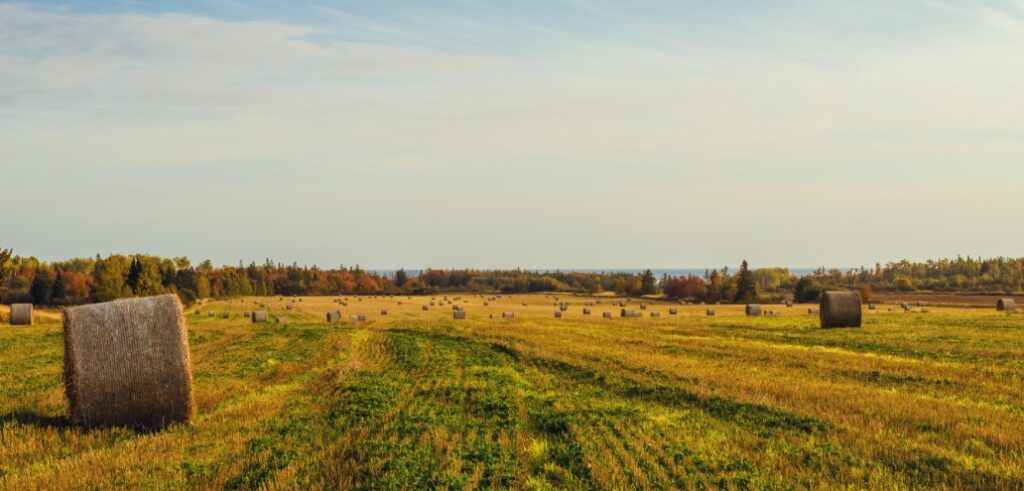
[{"x": 415, "y": 399}]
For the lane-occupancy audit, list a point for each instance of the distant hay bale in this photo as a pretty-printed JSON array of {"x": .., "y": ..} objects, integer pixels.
[
  {"x": 920, "y": 303},
  {"x": 872, "y": 306},
  {"x": 673, "y": 311},
  {"x": 558, "y": 314},
  {"x": 812, "y": 311},
  {"x": 840, "y": 309},
  {"x": 789, "y": 303},
  {"x": 126, "y": 363},
  {"x": 486, "y": 304},
  {"x": 459, "y": 314},
  {"x": 225, "y": 315},
  {"x": 281, "y": 320},
  {"x": 524, "y": 304},
  {"x": 425, "y": 308},
  {"x": 21, "y": 314},
  {"x": 643, "y": 306},
  {"x": 655, "y": 314},
  {"x": 211, "y": 314},
  {"x": 508, "y": 315},
  {"x": 456, "y": 307},
  {"x": 563, "y": 306},
  {"x": 586, "y": 311},
  {"x": 710, "y": 312},
  {"x": 753, "y": 309},
  {"x": 1002, "y": 305},
  {"x": 383, "y": 311},
  {"x": 260, "y": 316},
  {"x": 333, "y": 316},
  {"x": 289, "y": 307},
  {"x": 197, "y": 312},
  {"x": 607, "y": 315}
]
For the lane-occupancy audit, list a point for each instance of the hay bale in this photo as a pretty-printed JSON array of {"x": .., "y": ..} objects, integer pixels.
[
  {"x": 643, "y": 306},
  {"x": 260, "y": 316},
  {"x": 607, "y": 315},
  {"x": 425, "y": 308},
  {"x": 289, "y": 307},
  {"x": 21, "y": 314},
  {"x": 245, "y": 314},
  {"x": 563, "y": 306},
  {"x": 281, "y": 320},
  {"x": 211, "y": 314},
  {"x": 508, "y": 315},
  {"x": 872, "y": 306},
  {"x": 197, "y": 312},
  {"x": 333, "y": 316},
  {"x": 524, "y": 304},
  {"x": 789, "y": 303},
  {"x": 753, "y": 309},
  {"x": 586, "y": 311},
  {"x": 486, "y": 304},
  {"x": 383, "y": 311},
  {"x": 558, "y": 314},
  {"x": 1002, "y": 305},
  {"x": 459, "y": 314},
  {"x": 126, "y": 363},
  {"x": 840, "y": 309},
  {"x": 655, "y": 314},
  {"x": 673, "y": 311},
  {"x": 225, "y": 315},
  {"x": 710, "y": 312},
  {"x": 920, "y": 303}
]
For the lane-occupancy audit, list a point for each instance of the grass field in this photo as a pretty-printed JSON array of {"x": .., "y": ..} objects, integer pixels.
[{"x": 415, "y": 399}]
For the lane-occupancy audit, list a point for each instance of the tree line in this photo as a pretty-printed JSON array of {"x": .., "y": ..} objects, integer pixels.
[{"x": 98, "y": 279}]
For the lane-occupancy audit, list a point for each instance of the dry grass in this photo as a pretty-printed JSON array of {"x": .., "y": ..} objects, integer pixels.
[{"x": 415, "y": 399}]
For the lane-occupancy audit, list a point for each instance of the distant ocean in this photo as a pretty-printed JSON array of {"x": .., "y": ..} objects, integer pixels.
[{"x": 658, "y": 273}]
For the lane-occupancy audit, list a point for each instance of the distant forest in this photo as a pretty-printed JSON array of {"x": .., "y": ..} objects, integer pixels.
[{"x": 98, "y": 279}]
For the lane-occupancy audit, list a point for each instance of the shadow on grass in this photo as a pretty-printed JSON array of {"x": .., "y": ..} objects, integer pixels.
[{"x": 32, "y": 418}]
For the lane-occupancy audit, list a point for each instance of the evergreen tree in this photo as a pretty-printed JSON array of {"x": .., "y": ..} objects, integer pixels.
[
  {"x": 746, "y": 289},
  {"x": 648, "y": 285},
  {"x": 42, "y": 288},
  {"x": 60, "y": 288},
  {"x": 134, "y": 271},
  {"x": 401, "y": 278}
]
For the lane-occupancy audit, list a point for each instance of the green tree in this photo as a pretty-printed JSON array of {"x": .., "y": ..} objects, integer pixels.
[
  {"x": 42, "y": 288},
  {"x": 648, "y": 285},
  {"x": 60, "y": 288},
  {"x": 806, "y": 290},
  {"x": 401, "y": 278},
  {"x": 746, "y": 289}
]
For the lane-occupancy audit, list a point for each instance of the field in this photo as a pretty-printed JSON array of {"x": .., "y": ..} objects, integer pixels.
[{"x": 415, "y": 399}]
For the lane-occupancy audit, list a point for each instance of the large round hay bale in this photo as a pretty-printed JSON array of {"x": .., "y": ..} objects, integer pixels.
[
  {"x": 840, "y": 309},
  {"x": 333, "y": 316},
  {"x": 126, "y": 363},
  {"x": 508, "y": 315},
  {"x": 260, "y": 316},
  {"x": 21, "y": 314},
  {"x": 753, "y": 309},
  {"x": 459, "y": 314},
  {"x": 1002, "y": 305}
]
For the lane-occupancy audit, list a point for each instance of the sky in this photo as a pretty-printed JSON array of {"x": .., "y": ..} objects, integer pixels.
[{"x": 494, "y": 134}]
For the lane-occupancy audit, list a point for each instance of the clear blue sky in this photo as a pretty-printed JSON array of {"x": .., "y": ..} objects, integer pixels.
[{"x": 573, "y": 133}]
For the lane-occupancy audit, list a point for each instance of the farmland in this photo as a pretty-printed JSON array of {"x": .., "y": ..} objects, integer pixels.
[{"x": 416, "y": 399}]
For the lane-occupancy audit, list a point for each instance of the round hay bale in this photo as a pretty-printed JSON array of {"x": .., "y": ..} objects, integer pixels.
[
  {"x": 245, "y": 314},
  {"x": 558, "y": 314},
  {"x": 710, "y": 312},
  {"x": 673, "y": 311},
  {"x": 197, "y": 312},
  {"x": 753, "y": 309},
  {"x": 607, "y": 315},
  {"x": 211, "y": 314},
  {"x": 789, "y": 303},
  {"x": 21, "y": 314},
  {"x": 425, "y": 308},
  {"x": 333, "y": 316},
  {"x": 126, "y": 363},
  {"x": 459, "y": 314},
  {"x": 586, "y": 311},
  {"x": 260, "y": 316},
  {"x": 840, "y": 309},
  {"x": 281, "y": 320},
  {"x": 225, "y": 315},
  {"x": 643, "y": 306},
  {"x": 383, "y": 311},
  {"x": 655, "y": 314},
  {"x": 508, "y": 315},
  {"x": 1002, "y": 305},
  {"x": 563, "y": 306}
]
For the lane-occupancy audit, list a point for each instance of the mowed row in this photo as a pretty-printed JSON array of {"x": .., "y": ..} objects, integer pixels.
[{"x": 416, "y": 398}]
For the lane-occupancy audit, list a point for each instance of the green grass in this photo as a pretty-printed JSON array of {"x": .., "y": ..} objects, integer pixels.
[{"x": 419, "y": 401}]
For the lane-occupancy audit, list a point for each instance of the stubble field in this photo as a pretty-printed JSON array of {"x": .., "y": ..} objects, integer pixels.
[{"x": 415, "y": 399}]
